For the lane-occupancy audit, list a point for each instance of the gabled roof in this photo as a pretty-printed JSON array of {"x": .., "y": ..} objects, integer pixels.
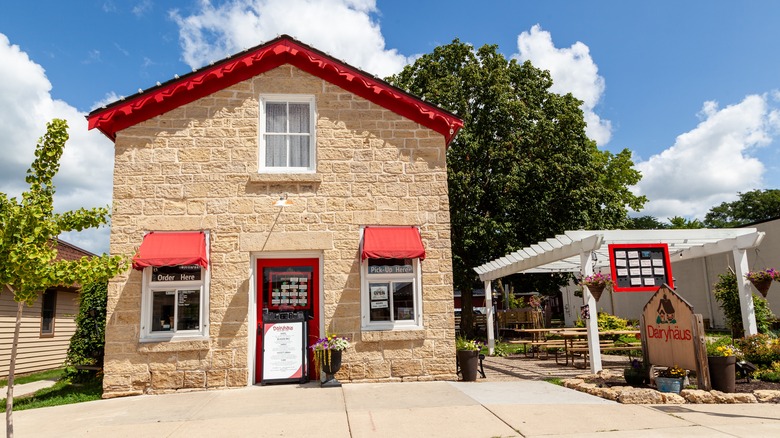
[{"x": 283, "y": 50}]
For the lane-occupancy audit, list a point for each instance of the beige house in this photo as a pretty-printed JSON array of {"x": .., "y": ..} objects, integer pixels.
[
  {"x": 47, "y": 325},
  {"x": 277, "y": 186}
]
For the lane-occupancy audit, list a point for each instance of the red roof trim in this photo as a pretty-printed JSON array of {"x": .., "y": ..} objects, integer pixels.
[
  {"x": 172, "y": 249},
  {"x": 283, "y": 50},
  {"x": 392, "y": 243}
]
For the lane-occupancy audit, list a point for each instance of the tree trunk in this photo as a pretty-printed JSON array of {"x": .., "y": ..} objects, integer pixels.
[{"x": 9, "y": 400}]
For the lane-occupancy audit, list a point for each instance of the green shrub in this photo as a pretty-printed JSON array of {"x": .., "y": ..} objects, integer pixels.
[
  {"x": 87, "y": 344},
  {"x": 607, "y": 321},
  {"x": 727, "y": 294},
  {"x": 769, "y": 374},
  {"x": 760, "y": 349}
]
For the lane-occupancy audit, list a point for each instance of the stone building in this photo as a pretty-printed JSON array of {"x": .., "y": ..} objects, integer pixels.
[{"x": 277, "y": 183}]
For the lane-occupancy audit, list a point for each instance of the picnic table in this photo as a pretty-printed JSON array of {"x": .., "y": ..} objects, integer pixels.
[{"x": 569, "y": 342}]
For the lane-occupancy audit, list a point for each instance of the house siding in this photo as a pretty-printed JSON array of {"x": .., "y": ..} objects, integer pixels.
[
  {"x": 36, "y": 353},
  {"x": 195, "y": 168}
]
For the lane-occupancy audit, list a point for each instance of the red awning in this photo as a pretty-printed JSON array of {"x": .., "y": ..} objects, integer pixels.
[
  {"x": 172, "y": 249},
  {"x": 392, "y": 243}
]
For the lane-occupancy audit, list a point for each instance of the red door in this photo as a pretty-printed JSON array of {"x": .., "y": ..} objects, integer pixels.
[{"x": 287, "y": 285}]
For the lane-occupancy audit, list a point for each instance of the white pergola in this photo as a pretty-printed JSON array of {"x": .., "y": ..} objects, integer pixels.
[{"x": 574, "y": 252}]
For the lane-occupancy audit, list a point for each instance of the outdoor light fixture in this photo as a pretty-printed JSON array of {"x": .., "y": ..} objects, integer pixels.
[{"x": 283, "y": 201}]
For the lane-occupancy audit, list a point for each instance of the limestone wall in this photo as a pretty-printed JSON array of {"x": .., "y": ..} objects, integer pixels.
[{"x": 196, "y": 168}]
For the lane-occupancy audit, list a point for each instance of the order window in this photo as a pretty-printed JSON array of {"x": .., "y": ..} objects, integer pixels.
[
  {"x": 287, "y": 141},
  {"x": 391, "y": 294},
  {"x": 175, "y": 301}
]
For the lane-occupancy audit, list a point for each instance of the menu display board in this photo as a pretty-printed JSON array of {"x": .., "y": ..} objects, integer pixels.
[
  {"x": 288, "y": 289},
  {"x": 283, "y": 351},
  {"x": 640, "y": 267}
]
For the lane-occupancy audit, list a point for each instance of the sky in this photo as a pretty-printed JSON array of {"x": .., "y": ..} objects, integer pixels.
[{"x": 692, "y": 88}]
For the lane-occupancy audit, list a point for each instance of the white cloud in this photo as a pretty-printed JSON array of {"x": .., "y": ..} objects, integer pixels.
[
  {"x": 712, "y": 162},
  {"x": 573, "y": 71},
  {"x": 26, "y": 105},
  {"x": 342, "y": 28}
]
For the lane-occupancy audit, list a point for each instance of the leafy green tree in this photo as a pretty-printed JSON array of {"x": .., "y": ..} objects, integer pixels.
[
  {"x": 522, "y": 168},
  {"x": 727, "y": 295},
  {"x": 28, "y": 229},
  {"x": 679, "y": 222},
  {"x": 753, "y": 206},
  {"x": 645, "y": 223}
]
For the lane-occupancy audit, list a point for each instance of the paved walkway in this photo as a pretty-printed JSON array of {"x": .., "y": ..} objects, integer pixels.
[
  {"x": 511, "y": 402},
  {"x": 426, "y": 409}
]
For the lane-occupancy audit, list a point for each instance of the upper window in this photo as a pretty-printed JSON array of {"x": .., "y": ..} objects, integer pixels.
[
  {"x": 287, "y": 140},
  {"x": 48, "y": 312}
]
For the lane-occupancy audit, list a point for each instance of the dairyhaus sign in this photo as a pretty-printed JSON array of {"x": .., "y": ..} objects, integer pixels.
[{"x": 668, "y": 324}]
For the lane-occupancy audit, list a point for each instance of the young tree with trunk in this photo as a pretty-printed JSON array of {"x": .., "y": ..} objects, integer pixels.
[{"x": 28, "y": 231}]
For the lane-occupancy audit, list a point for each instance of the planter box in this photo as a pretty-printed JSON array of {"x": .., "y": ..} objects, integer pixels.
[{"x": 669, "y": 384}]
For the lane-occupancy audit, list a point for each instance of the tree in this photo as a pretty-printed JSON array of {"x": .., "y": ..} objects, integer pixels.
[
  {"x": 28, "y": 231},
  {"x": 522, "y": 168},
  {"x": 679, "y": 223},
  {"x": 645, "y": 223},
  {"x": 753, "y": 206},
  {"x": 727, "y": 294}
]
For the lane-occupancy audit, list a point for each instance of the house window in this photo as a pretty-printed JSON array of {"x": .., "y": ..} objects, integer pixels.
[
  {"x": 175, "y": 301},
  {"x": 287, "y": 140},
  {"x": 48, "y": 312},
  {"x": 392, "y": 296}
]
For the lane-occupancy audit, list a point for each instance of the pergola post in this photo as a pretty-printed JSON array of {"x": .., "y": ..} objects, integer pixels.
[
  {"x": 745, "y": 293},
  {"x": 594, "y": 351},
  {"x": 490, "y": 317}
]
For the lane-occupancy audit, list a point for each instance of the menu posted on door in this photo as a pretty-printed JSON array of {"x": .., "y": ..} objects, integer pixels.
[{"x": 283, "y": 351}]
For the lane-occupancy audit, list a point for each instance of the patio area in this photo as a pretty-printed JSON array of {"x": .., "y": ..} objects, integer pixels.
[{"x": 520, "y": 367}]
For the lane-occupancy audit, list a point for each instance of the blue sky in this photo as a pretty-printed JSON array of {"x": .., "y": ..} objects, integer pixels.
[{"x": 691, "y": 88}]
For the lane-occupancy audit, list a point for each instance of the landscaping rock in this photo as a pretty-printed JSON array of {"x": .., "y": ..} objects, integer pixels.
[
  {"x": 671, "y": 398},
  {"x": 638, "y": 396},
  {"x": 767, "y": 395},
  {"x": 731, "y": 398},
  {"x": 697, "y": 396},
  {"x": 572, "y": 383}
]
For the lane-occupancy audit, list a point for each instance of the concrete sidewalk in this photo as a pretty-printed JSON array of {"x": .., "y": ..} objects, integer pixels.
[{"x": 425, "y": 409}]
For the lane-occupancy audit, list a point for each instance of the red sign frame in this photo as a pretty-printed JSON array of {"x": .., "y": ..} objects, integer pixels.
[{"x": 649, "y": 248}]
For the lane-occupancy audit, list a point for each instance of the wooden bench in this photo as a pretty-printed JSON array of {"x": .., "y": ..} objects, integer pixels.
[{"x": 604, "y": 346}]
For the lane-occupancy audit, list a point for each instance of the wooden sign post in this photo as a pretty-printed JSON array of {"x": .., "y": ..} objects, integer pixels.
[{"x": 673, "y": 335}]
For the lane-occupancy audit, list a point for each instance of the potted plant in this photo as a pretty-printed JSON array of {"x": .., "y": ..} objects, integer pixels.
[
  {"x": 722, "y": 360},
  {"x": 762, "y": 279},
  {"x": 327, "y": 357},
  {"x": 670, "y": 379},
  {"x": 467, "y": 356},
  {"x": 636, "y": 374},
  {"x": 596, "y": 283}
]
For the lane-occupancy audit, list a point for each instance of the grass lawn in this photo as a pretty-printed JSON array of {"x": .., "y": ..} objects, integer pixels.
[{"x": 63, "y": 392}]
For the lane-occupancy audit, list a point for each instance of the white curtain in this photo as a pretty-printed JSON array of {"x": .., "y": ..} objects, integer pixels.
[{"x": 279, "y": 147}]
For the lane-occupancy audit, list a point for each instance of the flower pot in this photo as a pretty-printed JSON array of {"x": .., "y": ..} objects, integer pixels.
[
  {"x": 634, "y": 377},
  {"x": 330, "y": 365},
  {"x": 596, "y": 290},
  {"x": 468, "y": 360},
  {"x": 723, "y": 372},
  {"x": 669, "y": 384},
  {"x": 762, "y": 285}
]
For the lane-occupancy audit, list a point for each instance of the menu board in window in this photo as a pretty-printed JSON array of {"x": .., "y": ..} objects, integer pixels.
[
  {"x": 288, "y": 289},
  {"x": 640, "y": 267}
]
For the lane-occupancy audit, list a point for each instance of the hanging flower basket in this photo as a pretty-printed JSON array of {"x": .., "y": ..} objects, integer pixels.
[
  {"x": 763, "y": 279},
  {"x": 596, "y": 284},
  {"x": 596, "y": 290}
]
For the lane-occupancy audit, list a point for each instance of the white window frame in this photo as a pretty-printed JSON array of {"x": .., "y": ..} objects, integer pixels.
[
  {"x": 147, "y": 290},
  {"x": 365, "y": 303},
  {"x": 287, "y": 98}
]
